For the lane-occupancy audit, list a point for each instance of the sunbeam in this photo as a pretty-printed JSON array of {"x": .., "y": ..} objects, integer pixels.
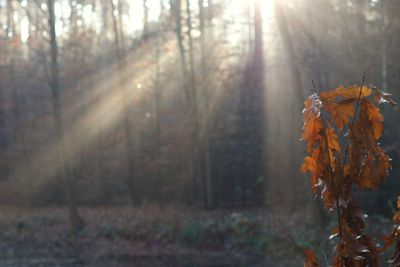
[
  {"x": 167, "y": 132},
  {"x": 103, "y": 105}
]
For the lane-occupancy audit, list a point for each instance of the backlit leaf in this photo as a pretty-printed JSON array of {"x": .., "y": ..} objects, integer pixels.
[
  {"x": 310, "y": 258},
  {"x": 350, "y": 92}
]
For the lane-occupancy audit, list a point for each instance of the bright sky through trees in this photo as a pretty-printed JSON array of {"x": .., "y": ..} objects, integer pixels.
[{"x": 132, "y": 17}]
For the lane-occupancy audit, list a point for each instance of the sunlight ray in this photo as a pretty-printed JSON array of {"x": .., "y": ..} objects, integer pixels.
[{"x": 106, "y": 105}]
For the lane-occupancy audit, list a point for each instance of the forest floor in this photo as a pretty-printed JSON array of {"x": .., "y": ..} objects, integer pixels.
[{"x": 152, "y": 236}]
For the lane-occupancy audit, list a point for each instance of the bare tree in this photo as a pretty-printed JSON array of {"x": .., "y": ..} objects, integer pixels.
[
  {"x": 121, "y": 57},
  {"x": 75, "y": 219},
  {"x": 145, "y": 18},
  {"x": 205, "y": 137}
]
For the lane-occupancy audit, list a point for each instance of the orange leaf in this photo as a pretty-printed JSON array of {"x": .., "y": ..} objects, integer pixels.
[
  {"x": 311, "y": 259},
  {"x": 382, "y": 97},
  {"x": 333, "y": 142},
  {"x": 350, "y": 92},
  {"x": 398, "y": 202},
  {"x": 344, "y": 110},
  {"x": 311, "y": 165},
  {"x": 388, "y": 241},
  {"x": 375, "y": 117},
  {"x": 312, "y": 131}
]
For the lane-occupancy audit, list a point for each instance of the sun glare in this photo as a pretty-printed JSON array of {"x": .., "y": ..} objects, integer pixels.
[
  {"x": 267, "y": 7},
  {"x": 132, "y": 16},
  {"x": 238, "y": 12},
  {"x": 135, "y": 19},
  {"x": 24, "y": 29}
]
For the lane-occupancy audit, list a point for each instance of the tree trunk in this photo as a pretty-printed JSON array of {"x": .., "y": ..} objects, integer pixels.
[
  {"x": 10, "y": 19},
  {"x": 76, "y": 221},
  {"x": 157, "y": 106},
  {"x": 250, "y": 161},
  {"x": 297, "y": 96},
  {"x": 127, "y": 126},
  {"x": 205, "y": 139},
  {"x": 176, "y": 9},
  {"x": 145, "y": 19},
  {"x": 198, "y": 182}
]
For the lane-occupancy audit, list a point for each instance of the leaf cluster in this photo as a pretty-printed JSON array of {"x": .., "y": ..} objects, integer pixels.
[{"x": 342, "y": 128}]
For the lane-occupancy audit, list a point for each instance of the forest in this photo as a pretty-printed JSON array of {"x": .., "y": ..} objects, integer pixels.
[{"x": 199, "y": 133}]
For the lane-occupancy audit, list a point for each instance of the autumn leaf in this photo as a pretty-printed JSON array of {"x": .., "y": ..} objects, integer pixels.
[
  {"x": 388, "y": 241},
  {"x": 312, "y": 104},
  {"x": 312, "y": 131},
  {"x": 361, "y": 163},
  {"x": 313, "y": 165},
  {"x": 342, "y": 112},
  {"x": 350, "y": 92},
  {"x": 398, "y": 202},
  {"x": 333, "y": 142},
  {"x": 382, "y": 97},
  {"x": 375, "y": 118},
  {"x": 311, "y": 259}
]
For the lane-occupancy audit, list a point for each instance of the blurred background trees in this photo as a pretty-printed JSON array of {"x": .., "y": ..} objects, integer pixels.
[{"x": 193, "y": 102}]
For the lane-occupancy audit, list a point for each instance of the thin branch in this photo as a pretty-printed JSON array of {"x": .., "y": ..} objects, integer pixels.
[
  {"x": 394, "y": 260},
  {"x": 313, "y": 90},
  {"x": 325, "y": 258},
  {"x": 331, "y": 171},
  {"x": 333, "y": 181},
  {"x": 300, "y": 249},
  {"x": 352, "y": 124}
]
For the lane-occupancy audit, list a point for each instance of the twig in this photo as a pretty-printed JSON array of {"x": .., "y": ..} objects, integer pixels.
[
  {"x": 349, "y": 140},
  {"x": 295, "y": 244},
  {"x": 331, "y": 171},
  {"x": 325, "y": 257},
  {"x": 394, "y": 259},
  {"x": 313, "y": 90},
  {"x": 352, "y": 123}
]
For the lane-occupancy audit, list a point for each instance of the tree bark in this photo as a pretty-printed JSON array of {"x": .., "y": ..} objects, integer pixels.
[
  {"x": 176, "y": 9},
  {"x": 205, "y": 138},
  {"x": 127, "y": 126},
  {"x": 145, "y": 19},
  {"x": 157, "y": 105},
  {"x": 198, "y": 180},
  {"x": 76, "y": 221}
]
